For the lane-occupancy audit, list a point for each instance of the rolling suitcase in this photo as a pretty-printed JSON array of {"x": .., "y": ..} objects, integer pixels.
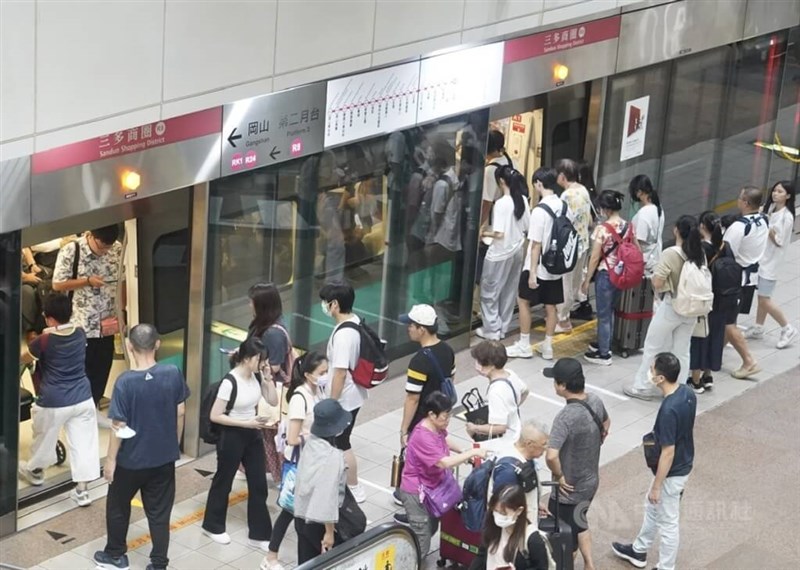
[
  {"x": 558, "y": 533},
  {"x": 632, "y": 315},
  {"x": 456, "y": 544}
]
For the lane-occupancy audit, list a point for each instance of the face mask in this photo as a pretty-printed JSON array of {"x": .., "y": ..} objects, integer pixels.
[
  {"x": 503, "y": 521},
  {"x": 326, "y": 310},
  {"x": 652, "y": 378}
]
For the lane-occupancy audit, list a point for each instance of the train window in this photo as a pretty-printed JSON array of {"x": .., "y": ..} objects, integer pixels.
[{"x": 171, "y": 281}]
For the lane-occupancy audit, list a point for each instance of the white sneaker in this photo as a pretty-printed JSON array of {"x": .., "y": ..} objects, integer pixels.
[
  {"x": 545, "y": 349},
  {"x": 259, "y": 544},
  {"x": 487, "y": 335},
  {"x": 755, "y": 332},
  {"x": 641, "y": 394},
  {"x": 240, "y": 476},
  {"x": 788, "y": 334},
  {"x": 563, "y": 330},
  {"x": 33, "y": 477},
  {"x": 358, "y": 493},
  {"x": 221, "y": 538},
  {"x": 103, "y": 421},
  {"x": 519, "y": 350},
  {"x": 81, "y": 497}
]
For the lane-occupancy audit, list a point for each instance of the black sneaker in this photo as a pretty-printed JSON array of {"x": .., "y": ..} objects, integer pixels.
[
  {"x": 583, "y": 312},
  {"x": 595, "y": 357},
  {"x": 105, "y": 560},
  {"x": 708, "y": 381},
  {"x": 698, "y": 388},
  {"x": 151, "y": 567},
  {"x": 401, "y": 518},
  {"x": 594, "y": 347},
  {"x": 397, "y": 500},
  {"x": 626, "y": 552}
]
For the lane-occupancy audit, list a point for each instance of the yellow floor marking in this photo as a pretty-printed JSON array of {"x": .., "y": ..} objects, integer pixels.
[
  {"x": 588, "y": 325},
  {"x": 136, "y": 503},
  {"x": 186, "y": 521}
]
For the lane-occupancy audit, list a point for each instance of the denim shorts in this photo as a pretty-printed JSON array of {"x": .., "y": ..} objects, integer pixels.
[{"x": 766, "y": 287}]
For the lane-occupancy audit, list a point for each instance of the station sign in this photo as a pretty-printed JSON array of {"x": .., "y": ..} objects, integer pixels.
[{"x": 274, "y": 128}]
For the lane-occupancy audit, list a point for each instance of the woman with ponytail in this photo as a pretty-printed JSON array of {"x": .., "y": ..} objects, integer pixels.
[
  {"x": 669, "y": 331},
  {"x": 648, "y": 221},
  {"x": 503, "y": 264},
  {"x": 302, "y": 395},
  {"x": 240, "y": 441}
]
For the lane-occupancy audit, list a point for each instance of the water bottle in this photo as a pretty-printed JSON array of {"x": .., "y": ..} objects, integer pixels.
[
  {"x": 618, "y": 268},
  {"x": 476, "y": 461}
]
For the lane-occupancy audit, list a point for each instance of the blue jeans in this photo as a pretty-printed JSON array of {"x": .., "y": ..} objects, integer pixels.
[{"x": 606, "y": 298}]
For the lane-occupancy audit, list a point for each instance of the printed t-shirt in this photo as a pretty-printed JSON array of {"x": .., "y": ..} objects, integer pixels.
[
  {"x": 606, "y": 240},
  {"x": 425, "y": 449},
  {"x": 423, "y": 378},
  {"x": 62, "y": 362},
  {"x": 147, "y": 401},
  {"x": 579, "y": 212}
]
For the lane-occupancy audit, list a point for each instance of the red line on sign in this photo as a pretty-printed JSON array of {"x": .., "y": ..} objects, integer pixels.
[
  {"x": 561, "y": 39},
  {"x": 129, "y": 141}
]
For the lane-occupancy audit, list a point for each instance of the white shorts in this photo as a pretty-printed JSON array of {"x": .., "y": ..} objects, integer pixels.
[{"x": 766, "y": 287}]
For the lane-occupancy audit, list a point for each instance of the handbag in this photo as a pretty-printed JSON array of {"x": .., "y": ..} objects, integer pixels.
[
  {"x": 652, "y": 451},
  {"x": 352, "y": 520},
  {"x": 443, "y": 498},
  {"x": 288, "y": 480},
  {"x": 701, "y": 327},
  {"x": 477, "y": 409}
]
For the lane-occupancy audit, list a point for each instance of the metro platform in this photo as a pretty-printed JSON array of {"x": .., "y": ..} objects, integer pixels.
[{"x": 747, "y": 458}]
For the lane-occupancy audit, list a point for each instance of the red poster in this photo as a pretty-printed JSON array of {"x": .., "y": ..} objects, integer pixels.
[
  {"x": 561, "y": 39},
  {"x": 128, "y": 141}
]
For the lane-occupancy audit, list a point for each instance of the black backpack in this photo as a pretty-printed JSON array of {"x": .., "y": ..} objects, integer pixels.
[
  {"x": 209, "y": 431},
  {"x": 726, "y": 274},
  {"x": 562, "y": 254},
  {"x": 372, "y": 367}
]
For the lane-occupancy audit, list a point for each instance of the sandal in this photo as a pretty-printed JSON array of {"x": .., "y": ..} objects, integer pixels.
[
  {"x": 745, "y": 373},
  {"x": 268, "y": 565}
]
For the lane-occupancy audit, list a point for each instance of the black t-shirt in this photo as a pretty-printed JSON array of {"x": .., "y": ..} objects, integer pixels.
[
  {"x": 675, "y": 426},
  {"x": 423, "y": 377}
]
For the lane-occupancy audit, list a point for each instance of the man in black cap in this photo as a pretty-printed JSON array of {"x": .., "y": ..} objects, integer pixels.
[
  {"x": 573, "y": 453},
  {"x": 321, "y": 480}
]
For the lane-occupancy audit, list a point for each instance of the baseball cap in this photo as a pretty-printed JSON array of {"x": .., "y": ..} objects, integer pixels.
[
  {"x": 565, "y": 369},
  {"x": 424, "y": 315}
]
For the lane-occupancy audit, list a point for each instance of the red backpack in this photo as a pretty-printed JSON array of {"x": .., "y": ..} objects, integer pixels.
[{"x": 629, "y": 270}]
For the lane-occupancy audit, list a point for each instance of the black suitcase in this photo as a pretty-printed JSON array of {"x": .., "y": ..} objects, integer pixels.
[
  {"x": 558, "y": 532},
  {"x": 632, "y": 315}
]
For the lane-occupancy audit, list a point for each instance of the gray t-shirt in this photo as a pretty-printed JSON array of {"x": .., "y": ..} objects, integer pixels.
[{"x": 577, "y": 437}]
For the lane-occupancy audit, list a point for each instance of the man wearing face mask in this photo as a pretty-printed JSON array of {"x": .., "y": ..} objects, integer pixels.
[
  {"x": 674, "y": 434},
  {"x": 344, "y": 346}
]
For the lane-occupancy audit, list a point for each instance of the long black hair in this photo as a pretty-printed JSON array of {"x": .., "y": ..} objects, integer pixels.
[
  {"x": 517, "y": 187},
  {"x": 692, "y": 245},
  {"x": 511, "y": 497},
  {"x": 642, "y": 183},
  {"x": 711, "y": 222},
  {"x": 250, "y": 347},
  {"x": 267, "y": 305},
  {"x": 790, "y": 190},
  {"x": 610, "y": 200},
  {"x": 306, "y": 364}
]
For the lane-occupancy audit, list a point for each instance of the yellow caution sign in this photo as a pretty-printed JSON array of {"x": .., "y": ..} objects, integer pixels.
[{"x": 384, "y": 559}]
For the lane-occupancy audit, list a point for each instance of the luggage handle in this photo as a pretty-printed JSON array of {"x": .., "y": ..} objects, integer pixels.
[{"x": 556, "y": 487}]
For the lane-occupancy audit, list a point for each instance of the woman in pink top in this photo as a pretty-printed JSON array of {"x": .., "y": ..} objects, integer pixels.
[{"x": 427, "y": 458}]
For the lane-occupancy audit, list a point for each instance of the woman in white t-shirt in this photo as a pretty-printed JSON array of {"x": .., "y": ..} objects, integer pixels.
[
  {"x": 240, "y": 441},
  {"x": 780, "y": 209},
  {"x": 505, "y": 394},
  {"x": 504, "y": 258},
  {"x": 302, "y": 395},
  {"x": 648, "y": 221}
]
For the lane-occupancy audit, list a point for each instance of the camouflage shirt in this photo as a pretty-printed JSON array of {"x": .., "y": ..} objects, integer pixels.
[{"x": 90, "y": 305}]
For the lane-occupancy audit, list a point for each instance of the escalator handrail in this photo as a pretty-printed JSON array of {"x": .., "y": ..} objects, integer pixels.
[{"x": 339, "y": 553}]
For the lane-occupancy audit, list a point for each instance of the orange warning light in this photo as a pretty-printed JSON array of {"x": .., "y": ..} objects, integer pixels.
[
  {"x": 131, "y": 180},
  {"x": 560, "y": 72}
]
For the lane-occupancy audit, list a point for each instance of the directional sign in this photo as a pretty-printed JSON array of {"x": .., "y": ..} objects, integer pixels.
[{"x": 274, "y": 128}]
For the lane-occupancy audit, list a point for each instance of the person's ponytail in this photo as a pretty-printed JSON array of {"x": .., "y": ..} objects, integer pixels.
[
  {"x": 306, "y": 364},
  {"x": 692, "y": 241}
]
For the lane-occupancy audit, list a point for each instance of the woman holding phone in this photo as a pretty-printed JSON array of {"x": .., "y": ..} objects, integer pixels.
[{"x": 241, "y": 442}]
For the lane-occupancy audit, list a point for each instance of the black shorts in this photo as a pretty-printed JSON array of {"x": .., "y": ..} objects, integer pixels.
[
  {"x": 549, "y": 292},
  {"x": 574, "y": 515},
  {"x": 343, "y": 441},
  {"x": 728, "y": 307}
]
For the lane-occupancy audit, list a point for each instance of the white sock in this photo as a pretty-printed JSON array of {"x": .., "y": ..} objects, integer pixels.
[
  {"x": 525, "y": 339},
  {"x": 548, "y": 340}
]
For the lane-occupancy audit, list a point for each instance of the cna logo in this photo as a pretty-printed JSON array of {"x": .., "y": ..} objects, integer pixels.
[{"x": 570, "y": 250}]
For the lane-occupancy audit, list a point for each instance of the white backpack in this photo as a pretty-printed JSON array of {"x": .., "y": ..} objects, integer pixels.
[{"x": 694, "y": 296}]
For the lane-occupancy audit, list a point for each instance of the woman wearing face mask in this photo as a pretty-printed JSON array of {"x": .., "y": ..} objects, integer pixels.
[
  {"x": 603, "y": 256},
  {"x": 504, "y": 258},
  {"x": 509, "y": 542},
  {"x": 241, "y": 442},
  {"x": 669, "y": 331},
  {"x": 302, "y": 395},
  {"x": 427, "y": 459},
  {"x": 648, "y": 221},
  {"x": 321, "y": 481}
]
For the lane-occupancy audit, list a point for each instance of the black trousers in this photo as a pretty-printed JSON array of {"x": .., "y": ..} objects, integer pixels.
[
  {"x": 282, "y": 523},
  {"x": 157, "y": 485},
  {"x": 239, "y": 445},
  {"x": 99, "y": 357},
  {"x": 309, "y": 539}
]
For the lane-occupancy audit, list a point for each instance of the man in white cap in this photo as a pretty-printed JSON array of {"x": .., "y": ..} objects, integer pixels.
[{"x": 433, "y": 362}]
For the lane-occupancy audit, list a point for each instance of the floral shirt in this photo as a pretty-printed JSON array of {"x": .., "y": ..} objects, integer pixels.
[
  {"x": 90, "y": 305},
  {"x": 579, "y": 212}
]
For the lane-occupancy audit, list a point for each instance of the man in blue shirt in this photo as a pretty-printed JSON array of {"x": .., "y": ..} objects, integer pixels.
[
  {"x": 674, "y": 434},
  {"x": 147, "y": 409}
]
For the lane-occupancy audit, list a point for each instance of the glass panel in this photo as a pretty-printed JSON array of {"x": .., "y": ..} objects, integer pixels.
[
  {"x": 9, "y": 372},
  {"x": 652, "y": 82},
  {"x": 370, "y": 213},
  {"x": 785, "y": 165},
  {"x": 696, "y": 111}
]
